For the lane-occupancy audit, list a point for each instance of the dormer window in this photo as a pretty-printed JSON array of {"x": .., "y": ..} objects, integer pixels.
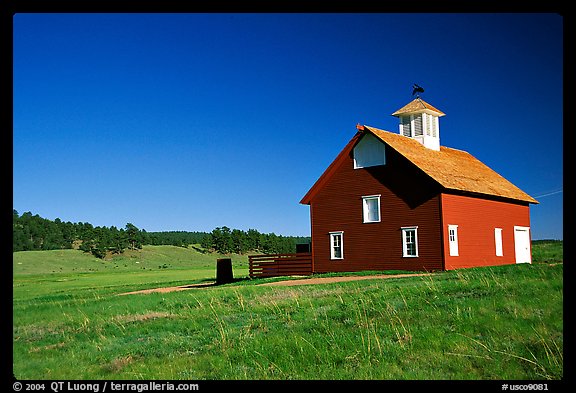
[{"x": 370, "y": 151}]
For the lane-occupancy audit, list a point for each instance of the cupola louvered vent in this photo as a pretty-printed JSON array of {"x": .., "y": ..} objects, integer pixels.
[
  {"x": 419, "y": 120},
  {"x": 418, "y": 125},
  {"x": 405, "y": 124}
]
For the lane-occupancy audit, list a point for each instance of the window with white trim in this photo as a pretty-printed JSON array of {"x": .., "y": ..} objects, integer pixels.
[
  {"x": 371, "y": 208},
  {"x": 337, "y": 245},
  {"x": 498, "y": 242},
  {"x": 409, "y": 241},
  {"x": 453, "y": 240}
]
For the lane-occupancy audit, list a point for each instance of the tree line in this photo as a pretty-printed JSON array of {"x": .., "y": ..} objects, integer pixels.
[
  {"x": 225, "y": 240},
  {"x": 32, "y": 232}
]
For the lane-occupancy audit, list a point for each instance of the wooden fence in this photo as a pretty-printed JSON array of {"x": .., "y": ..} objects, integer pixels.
[{"x": 273, "y": 265}]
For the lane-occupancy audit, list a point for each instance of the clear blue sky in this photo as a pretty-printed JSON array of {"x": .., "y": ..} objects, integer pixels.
[{"x": 194, "y": 121}]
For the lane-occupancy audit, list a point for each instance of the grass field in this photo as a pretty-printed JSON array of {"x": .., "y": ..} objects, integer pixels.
[{"x": 486, "y": 323}]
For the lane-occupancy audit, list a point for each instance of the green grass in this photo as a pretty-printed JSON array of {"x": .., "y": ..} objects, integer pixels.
[
  {"x": 501, "y": 322},
  {"x": 149, "y": 258},
  {"x": 549, "y": 251}
]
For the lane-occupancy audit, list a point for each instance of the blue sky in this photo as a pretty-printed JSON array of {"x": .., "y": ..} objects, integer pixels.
[{"x": 194, "y": 121}]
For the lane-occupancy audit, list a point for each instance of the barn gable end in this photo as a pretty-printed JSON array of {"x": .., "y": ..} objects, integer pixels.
[{"x": 404, "y": 201}]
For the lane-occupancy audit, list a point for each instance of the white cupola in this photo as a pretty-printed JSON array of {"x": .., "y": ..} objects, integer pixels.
[{"x": 419, "y": 120}]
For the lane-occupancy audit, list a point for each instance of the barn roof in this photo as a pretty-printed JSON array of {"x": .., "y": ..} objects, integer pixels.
[{"x": 453, "y": 169}]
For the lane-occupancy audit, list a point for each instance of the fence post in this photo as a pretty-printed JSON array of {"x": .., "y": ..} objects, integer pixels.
[{"x": 224, "y": 271}]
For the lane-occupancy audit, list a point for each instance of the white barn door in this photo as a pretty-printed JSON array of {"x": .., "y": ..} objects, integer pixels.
[{"x": 522, "y": 244}]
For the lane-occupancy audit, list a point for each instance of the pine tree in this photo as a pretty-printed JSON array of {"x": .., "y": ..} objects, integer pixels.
[{"x": 133, "y": 236}]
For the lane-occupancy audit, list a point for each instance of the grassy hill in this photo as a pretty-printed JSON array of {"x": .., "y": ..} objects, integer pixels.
[
  {"x": 149, "y": 258},
  {"x": 153, "y": 266},
  {"x": 501, "y": 322}
]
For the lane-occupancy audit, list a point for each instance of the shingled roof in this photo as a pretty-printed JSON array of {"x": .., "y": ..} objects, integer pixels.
[
  {"x": 452, "y": 168},
  {"x": 418, "y": 105}
]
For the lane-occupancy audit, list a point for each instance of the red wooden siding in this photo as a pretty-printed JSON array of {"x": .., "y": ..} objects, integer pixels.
[
  {"x": 476, "y": 219},
  {"x": 274, "y": 265},
  {"x": 408, "y": 198}
]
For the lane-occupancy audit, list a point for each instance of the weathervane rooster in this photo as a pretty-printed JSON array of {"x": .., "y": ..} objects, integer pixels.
[{"x": 417, "y": 90}]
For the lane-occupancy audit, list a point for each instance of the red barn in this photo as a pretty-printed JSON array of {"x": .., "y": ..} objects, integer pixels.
[{"x": 401, "y": 201}]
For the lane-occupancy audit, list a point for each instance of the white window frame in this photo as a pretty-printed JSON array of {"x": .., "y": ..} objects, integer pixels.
[
  {"x": 365, "y": 211},
  {"x": 333, "y": 236},
  {"x": 405, "y": 230},
  {"x": 498, "y": 242},
  {"x": 453, "y": 240}
]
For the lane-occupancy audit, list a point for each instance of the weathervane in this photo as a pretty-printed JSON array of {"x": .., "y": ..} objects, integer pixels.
[{"x": 417, "y": 90}]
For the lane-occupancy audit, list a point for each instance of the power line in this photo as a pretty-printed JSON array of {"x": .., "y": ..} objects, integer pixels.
[{"x": 550, "y": 193}]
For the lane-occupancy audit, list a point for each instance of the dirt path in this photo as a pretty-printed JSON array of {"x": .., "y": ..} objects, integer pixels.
[
  {"x": 168, "y": 289},
  {"x": 287, "y": 283},
  {"x": 328, "y": 280}
]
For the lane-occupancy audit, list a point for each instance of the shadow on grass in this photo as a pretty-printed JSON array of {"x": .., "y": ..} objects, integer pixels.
[{"x": 210, "y": 282}]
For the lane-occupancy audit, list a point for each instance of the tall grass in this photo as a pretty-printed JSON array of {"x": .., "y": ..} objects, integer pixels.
[{"x": 487, "y": 323}]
